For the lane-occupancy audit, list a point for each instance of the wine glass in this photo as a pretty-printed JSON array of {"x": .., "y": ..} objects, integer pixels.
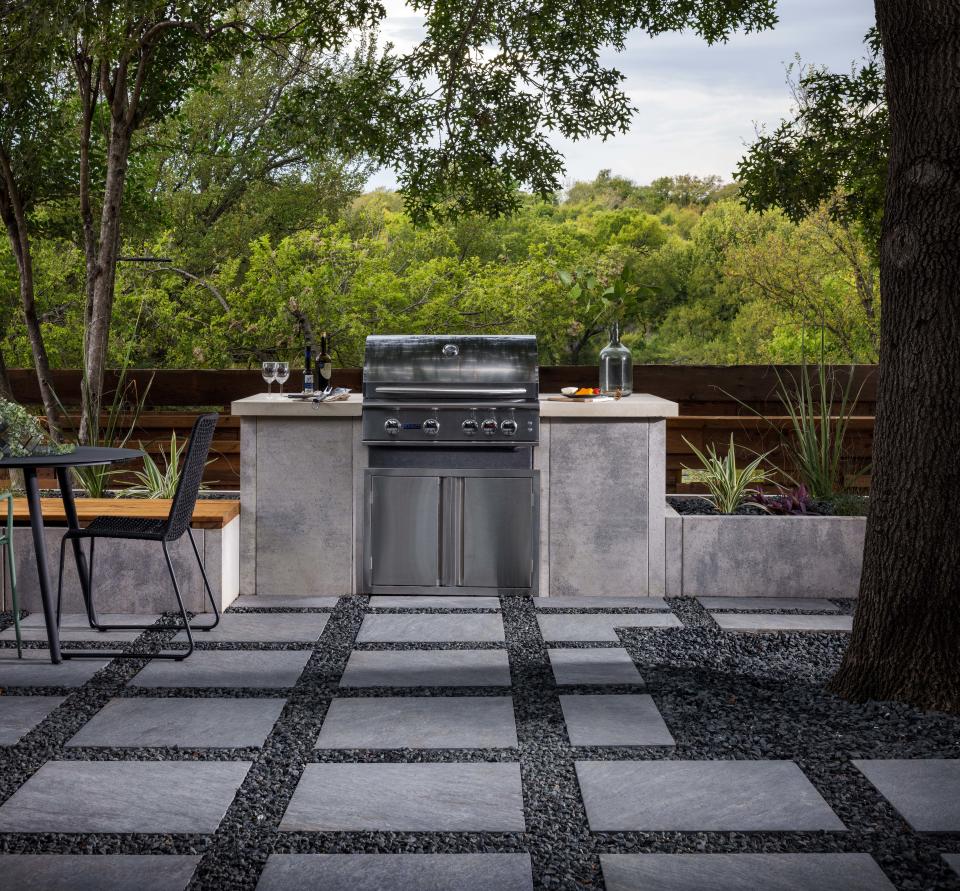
[
  {"x": 282, "y": 374},
  {"x": 269, "y": 372}
]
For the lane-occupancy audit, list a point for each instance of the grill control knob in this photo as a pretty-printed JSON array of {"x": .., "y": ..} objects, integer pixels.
[
  {"x": 431, "y": 426},
  {"x": 470, "y": 426},
  {"x": 509, "y": 427},
  {"x": 489, "y": 426},
  {"x": 392, "y": 426}
]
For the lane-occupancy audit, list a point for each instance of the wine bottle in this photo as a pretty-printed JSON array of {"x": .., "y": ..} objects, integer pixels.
[
  {"x": 324, "y": 364},
  {"x": 308, "y": 370}
]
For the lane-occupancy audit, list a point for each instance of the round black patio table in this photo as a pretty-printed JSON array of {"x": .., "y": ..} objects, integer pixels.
[{"x": 82, "y": 456}]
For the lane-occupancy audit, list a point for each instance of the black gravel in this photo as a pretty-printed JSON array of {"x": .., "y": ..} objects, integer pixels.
[
  {"x": 696, "y": 505},
  {"x": 722, "y": 695}
]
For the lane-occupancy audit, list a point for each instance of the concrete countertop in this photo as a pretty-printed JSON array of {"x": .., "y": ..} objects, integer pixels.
[
  {"x": 265, "y": 405},
  {"x": 638, "y": 405}
]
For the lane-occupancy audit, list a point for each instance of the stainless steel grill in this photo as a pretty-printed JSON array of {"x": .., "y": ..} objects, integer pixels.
[
  {"x": 457, "y": 389},
  {"x": 452, "y": 499}
]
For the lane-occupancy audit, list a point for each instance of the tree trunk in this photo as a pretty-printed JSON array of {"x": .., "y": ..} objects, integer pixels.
[
  {"x": 88, "y": 89},
  {"x": 15, "y": 221},
  {"x": 906, "y": 634},
  {"x": 6, "y": 391},
  {"x": 100, "y": 307}
]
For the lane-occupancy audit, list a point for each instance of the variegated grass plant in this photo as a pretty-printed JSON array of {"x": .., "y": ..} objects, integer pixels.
[
  {"x": 152, "y": 482},
  {"x": 729, "y": 484}
]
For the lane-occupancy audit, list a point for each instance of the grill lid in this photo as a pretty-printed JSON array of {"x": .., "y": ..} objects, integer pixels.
[{"x": 450, "y": 366}]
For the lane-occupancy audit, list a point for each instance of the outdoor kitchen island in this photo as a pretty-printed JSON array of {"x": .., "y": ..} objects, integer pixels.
[{"x": 599, "y": 470}]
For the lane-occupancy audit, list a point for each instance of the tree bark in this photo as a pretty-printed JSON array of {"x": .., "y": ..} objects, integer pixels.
[
  {"x": 101, "y": 306},
  {"x": 6, "y": 391},
  {"x": 88, "y": 89},
  {"x": 906, "y": 633},
  {"x": 102, "y": 248},
  {"x": 15, "y": 221}
]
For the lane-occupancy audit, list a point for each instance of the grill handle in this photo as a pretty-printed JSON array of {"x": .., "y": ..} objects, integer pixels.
[{"x": 453, "y": 391}]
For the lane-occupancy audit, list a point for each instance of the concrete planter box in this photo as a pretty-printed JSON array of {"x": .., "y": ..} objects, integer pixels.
[
  {"x": 730, "y": 556},
  {"x": 131, "y": 576}
]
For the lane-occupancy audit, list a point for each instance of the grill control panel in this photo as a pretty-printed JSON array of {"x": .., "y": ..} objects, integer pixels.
[{"x": 481, "y": 425}]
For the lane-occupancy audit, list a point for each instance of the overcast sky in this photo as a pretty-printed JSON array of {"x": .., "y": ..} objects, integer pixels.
[{"x": 697, "y": 105}]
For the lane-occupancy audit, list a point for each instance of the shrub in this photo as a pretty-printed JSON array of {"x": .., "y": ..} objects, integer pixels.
[{"x": 729, "y": 485}]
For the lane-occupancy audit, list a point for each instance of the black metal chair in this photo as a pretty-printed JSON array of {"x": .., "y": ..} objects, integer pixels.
[{"x": 164, "y": 531}]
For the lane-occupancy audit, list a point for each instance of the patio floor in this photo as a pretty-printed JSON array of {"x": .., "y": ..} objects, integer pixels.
[{"x": 432, "y": 744}]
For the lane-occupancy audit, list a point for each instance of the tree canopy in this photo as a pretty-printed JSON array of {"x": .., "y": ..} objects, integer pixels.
[{"x": 834, "y": 150}]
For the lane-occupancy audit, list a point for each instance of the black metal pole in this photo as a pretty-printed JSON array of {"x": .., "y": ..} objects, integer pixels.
[
  {"x": 40, "y": 548},
  {"x": 73, "y": 522}
]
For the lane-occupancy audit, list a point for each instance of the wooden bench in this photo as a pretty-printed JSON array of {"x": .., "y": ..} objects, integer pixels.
[
  {"x": 132, "y": 577},
  {"x": 212, "y": 514}
]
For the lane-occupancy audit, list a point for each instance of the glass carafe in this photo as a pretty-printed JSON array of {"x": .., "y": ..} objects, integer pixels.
[{"x": 616, "y": 366}]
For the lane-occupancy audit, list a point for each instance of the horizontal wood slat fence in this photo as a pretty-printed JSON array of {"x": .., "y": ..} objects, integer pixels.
[{"x": 715, "y": 401}]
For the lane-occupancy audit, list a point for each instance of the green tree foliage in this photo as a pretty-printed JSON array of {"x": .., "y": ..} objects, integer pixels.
[
  {"x": 466, "y": 116},
  {"x": 230, "y": 170},
  {"x": 709, "y": 282},
  {"x": 833, "y": 150}
]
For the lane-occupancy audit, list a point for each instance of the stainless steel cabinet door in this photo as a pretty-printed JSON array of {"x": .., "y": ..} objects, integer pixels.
[
  {"x": 405, "y": 530},
  {"x": 498, "y": 522}
]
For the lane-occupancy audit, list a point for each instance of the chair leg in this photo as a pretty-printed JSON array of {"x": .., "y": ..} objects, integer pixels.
[
  {"x": 121, "y": 654},
  {"x": 63, "y": 551},
  {"x": 206, "y": 585},
  {"x": 92, "y": 616},
  {"x": 183, "y": 612},
  {"x": 13, "y": 578}
]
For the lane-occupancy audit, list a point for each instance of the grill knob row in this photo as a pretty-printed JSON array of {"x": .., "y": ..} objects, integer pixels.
[{"x": 431, "y": 426}]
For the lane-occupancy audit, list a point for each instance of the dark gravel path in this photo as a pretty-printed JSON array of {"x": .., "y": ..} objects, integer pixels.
[{"x": 723, "y": 696}]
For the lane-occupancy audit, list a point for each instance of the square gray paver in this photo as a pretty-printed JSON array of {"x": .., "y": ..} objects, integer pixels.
[
  {"x": 442, "y": 602},
  {"x": 925, "y": 792},
  {"x": 427, "y": 668},
  {"x": 600, "y": 626},
  {"x": 431, "y": 628},
  {"x": 36, "y": 670},
  {"x": 627, "y": 719},
  {"x": 601, "y": 603},
  {"x": 736, "y": 872},
  {"x": 419, "y": 722},
  {"x": 603, "y": 665},
  {"x": 261, "y": 627},
  {"x": 98, "y": 872},
  {"x": 188, "y": 723},
  {"x": 761, "y": 622},
  {"x": 953, "y": 861},
  {"x": 226, "y": 668},
  {"x": 815, "y": 604},
  {"x": 124, "y": 796},
  {"x": 75, "y": 627},
  {"x": 701, "y": 796},
  {"x": 254, "y": 601},
  {"x": 20, "y": 714},
  {"x": 441, "y": 797},
  {"x": 397, "y": 872}
]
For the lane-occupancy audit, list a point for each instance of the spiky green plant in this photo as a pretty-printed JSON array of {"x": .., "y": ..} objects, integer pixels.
[
  {"x": 154, "y": 482},
  {"x": 94, "y": 479},
  {"x": 729, "y": 484},
  {"x": 819, "y": 418}
]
